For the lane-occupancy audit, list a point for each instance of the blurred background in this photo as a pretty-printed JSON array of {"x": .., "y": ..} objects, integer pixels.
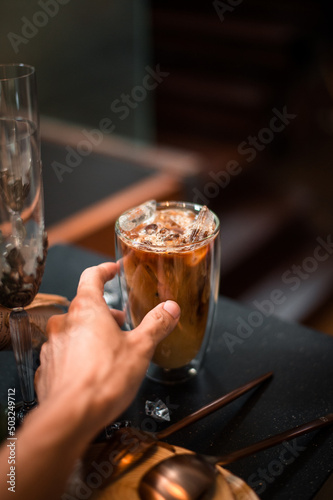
[{"x": 231, "y": 100}]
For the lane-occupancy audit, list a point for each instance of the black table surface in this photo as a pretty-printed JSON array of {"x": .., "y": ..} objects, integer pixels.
[{"x": 300, "y": 390}]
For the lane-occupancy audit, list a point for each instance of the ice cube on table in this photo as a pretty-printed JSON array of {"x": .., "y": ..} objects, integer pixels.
[
  {"x": 202, "y": 226},
  {"x": 158, "y": 410},
  {"x": 138, "y": 215}
]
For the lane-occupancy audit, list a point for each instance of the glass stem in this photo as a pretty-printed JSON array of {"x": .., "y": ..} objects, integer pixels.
[{"x": 20, "y": 332}]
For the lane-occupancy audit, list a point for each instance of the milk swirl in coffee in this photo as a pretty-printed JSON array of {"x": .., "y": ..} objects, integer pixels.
[{"x": 167, "y": 254}]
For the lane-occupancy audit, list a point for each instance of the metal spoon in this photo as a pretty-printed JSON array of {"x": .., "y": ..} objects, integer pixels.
[
  {"x": 109, "y": 431},
  {"x": 128, "y": 445},
  {"x": 189, "y": 477}
]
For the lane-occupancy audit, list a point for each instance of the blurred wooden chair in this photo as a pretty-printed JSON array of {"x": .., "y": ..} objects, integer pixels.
[{"x": 87, "y": 186}]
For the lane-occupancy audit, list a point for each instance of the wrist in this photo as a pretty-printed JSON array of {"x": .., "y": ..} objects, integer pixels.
[
  {"x": 51, "y": 439},
  {"x": 70, "y": 415}
]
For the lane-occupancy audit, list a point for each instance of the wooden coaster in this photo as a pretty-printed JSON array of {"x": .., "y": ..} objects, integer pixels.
[
  {"x": 41, "y": 308},
  {"x": 228, "y": 486}
]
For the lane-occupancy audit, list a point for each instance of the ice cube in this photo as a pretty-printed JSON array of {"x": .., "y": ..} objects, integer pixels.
[
  {"x": 112, "y": 293},
  {"x": 172, "y": 237},
  {"x": 136, "y": 216},
  {"x": 202, "y": 226},
  {"x": 158, "y": 410},
  {"x": 151, "y": 228}
]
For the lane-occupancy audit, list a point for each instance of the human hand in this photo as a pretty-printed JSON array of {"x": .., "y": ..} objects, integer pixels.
[{"x": 89, "y": 362}]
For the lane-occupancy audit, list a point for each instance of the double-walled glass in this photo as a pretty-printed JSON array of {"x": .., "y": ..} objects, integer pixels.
[{"x": 187, "y": 273}]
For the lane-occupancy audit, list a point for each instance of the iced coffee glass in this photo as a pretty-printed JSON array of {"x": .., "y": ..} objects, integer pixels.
[{"x": 170, "y": 250}]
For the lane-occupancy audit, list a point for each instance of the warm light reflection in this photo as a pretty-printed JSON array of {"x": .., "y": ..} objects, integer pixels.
[
  {"x": 157, "y": 496},
  {"x": 177, "y": 492},
  {"x": 128, "y": 459},
  {"x": 174, "y": 490}
]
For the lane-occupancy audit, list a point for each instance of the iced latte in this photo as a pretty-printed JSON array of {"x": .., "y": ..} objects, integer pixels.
[{"x": 168, "y": 251}]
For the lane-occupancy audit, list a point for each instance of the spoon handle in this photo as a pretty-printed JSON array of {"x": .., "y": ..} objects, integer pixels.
[
  {"x": 274, "y": 440},
  {"x": 211, "y": 407}
]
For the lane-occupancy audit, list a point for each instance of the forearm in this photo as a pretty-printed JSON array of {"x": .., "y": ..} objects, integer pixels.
[
  {"x": 90, "y": 372},
  {"x": 47, "y": 446}
]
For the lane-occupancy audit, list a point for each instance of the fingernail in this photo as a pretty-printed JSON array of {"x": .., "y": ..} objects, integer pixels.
[{"x": 172, "y": 308}]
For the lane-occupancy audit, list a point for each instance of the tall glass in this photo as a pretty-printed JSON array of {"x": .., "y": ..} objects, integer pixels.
[
  {"x": 23, "y": 241},
  {"x": 160, "y": 260}
]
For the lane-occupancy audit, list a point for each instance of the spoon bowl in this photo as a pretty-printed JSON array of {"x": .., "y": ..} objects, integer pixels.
[
  {"x": 181, "y": 477},
  {"x": 191, "y": 476}
]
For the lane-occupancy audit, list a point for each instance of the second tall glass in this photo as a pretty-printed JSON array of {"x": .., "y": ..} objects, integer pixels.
[{"x": 23, "y": 243}]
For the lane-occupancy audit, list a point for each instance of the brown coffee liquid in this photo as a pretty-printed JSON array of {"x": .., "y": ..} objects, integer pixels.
[{"x": 157, "y": 267}]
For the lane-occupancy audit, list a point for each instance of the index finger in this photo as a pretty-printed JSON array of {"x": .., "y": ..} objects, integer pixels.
[{"x": 94, "y": 278}]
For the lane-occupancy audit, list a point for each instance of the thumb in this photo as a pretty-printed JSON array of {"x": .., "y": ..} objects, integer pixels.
[{"x": 157, "y": 324}]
